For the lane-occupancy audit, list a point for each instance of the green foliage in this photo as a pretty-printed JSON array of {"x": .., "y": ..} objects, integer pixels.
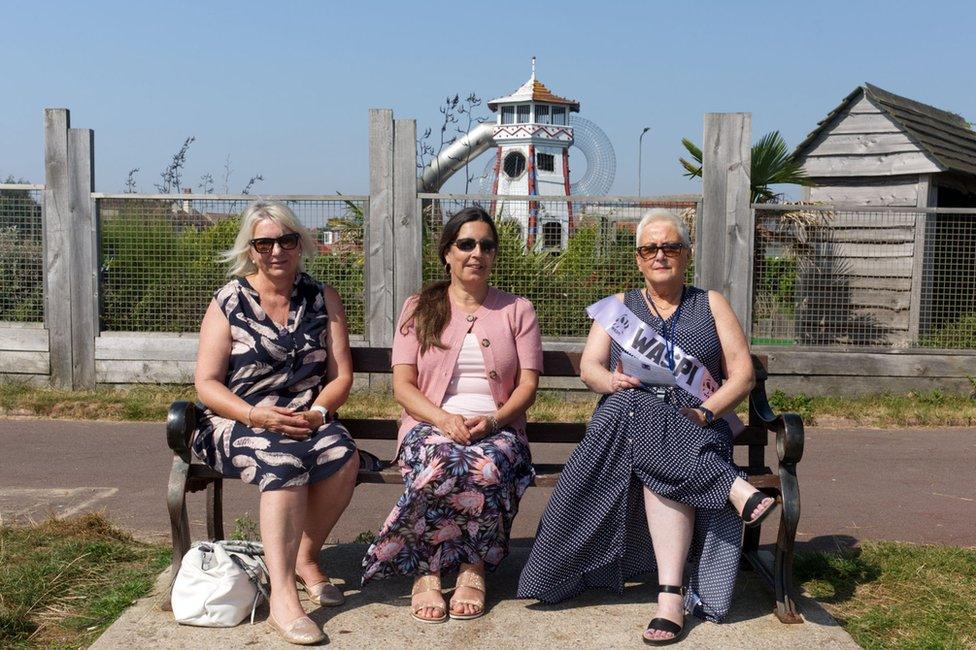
[
  {"x": 365, "y": 537},
  {"x": 772, "y": 164},
  {"x": 159, "y": 275},
  {"x": 246, "y": 529},
  {"x": 803, "y": 405},
  {"x": 21, "y": 258},
  {"x": 774, "y": 288},
  {"x": 156, "y": 276},
  {"x": 958, "y": 334},
  {"x": 598, "y": 261}
]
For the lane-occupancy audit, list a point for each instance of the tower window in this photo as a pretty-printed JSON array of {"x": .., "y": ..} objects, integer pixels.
[
  {"x": 508, "y": 114},
  {"x": 552, "y": 235},
  {"x": 523, "y": 114},
  {"x": 514, "y": 164},
  {"x": 546, "y": 162},
  {"x": 559, "y": 115},
  {"x": 542, "y": 114}
]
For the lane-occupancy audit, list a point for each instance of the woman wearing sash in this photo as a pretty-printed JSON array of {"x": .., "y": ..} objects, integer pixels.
[{"x": 652, "y": 484}]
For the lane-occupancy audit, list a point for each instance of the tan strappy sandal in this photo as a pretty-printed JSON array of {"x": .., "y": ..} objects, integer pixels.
[
  {"x": 472, "y": 580},
  {"x": 423, "y": 585}
]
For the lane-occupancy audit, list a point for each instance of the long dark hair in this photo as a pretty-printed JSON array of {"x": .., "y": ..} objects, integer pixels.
[{"x": 433, "y": 310}]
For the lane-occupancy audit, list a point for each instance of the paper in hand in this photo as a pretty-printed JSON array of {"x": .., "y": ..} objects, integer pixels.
[{"x": 648, "y": 374}]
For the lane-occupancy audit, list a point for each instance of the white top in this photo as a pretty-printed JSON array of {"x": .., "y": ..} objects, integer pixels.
[{"x": 469, "y": 393}]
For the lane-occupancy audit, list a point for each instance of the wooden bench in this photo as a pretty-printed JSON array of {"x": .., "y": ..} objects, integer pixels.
[{"x": 189, "y": 475}]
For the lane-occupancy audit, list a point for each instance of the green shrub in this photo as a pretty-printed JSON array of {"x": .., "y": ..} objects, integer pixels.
[{"x": 959, "y": 334}]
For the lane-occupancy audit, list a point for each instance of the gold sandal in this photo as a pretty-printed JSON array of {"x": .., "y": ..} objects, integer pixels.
[
  {"x": 422, "y": 585},
  {"x": 323, "y": 594},
  {"x": 473, "y": 580}
]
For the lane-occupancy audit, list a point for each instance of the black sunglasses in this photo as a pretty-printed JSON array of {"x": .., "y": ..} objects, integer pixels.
[
  {"x": 670, "y": 249},
  {"x": 265, "y": 245},
  {"x": 467, "y": 245}
]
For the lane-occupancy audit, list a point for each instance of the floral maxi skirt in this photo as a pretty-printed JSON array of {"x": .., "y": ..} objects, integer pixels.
[{"x": 457, "y": 506}]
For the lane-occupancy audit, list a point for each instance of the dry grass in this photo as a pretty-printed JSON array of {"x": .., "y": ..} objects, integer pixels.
[
  {"x": 150, "y": 402},
  {"x": 65, "y": 580}
]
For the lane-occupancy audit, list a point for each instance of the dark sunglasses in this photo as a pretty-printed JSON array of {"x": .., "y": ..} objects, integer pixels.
[
  {"x": 467, "y": 245},
  {"x": 265, "y": 245},
  {"x": 670, "y": 249}
]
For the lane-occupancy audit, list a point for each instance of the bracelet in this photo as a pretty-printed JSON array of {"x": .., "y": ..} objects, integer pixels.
[
  {"x": 493, "y": 426},
  {"x": 251, "y": 410}
]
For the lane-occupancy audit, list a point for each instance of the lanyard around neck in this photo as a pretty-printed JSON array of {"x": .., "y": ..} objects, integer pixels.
[{"x": 668, "y": 332}]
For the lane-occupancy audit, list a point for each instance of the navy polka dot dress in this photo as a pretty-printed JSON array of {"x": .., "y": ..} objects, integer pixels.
[{"x": 594, "y": 530}]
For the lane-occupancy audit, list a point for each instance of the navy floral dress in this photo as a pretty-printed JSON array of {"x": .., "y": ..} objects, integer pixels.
[
  {"x": 271, "y": 365},
  {"x": 457, "y": 506}
]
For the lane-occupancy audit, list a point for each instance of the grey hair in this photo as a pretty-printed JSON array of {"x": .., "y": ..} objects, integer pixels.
[
  {"x": 656, "y": 215},
  {"x": 239, "y": 256}
]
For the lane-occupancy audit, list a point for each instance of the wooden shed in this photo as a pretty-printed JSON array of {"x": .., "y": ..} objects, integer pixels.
[{"x": 888, "y": 277}]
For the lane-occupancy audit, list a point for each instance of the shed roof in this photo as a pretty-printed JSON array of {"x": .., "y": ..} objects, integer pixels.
[
  {"x": 534, "y": 90},
  {"x": 943, "y": 136}
]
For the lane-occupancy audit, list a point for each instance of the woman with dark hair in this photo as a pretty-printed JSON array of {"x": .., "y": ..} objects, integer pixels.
[{"x": 466, "y": 364}]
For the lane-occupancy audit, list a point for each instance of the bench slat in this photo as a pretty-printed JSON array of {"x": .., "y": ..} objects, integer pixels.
[{"x": 556, "y": 363}]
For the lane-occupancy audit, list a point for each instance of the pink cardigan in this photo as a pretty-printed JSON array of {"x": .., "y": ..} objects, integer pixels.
[{"x": 510, "y": 339}]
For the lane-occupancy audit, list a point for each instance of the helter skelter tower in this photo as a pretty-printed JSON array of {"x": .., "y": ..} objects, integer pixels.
[{"x": 532, "y": 137}]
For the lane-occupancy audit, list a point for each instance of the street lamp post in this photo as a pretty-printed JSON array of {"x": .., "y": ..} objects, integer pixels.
[{"x": 640, "y": 151}]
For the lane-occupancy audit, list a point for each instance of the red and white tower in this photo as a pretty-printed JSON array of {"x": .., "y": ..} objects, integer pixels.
[{"x": 532, "y": 138}]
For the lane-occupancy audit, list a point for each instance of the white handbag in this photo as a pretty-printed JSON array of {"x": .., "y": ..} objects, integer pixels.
[{"x": 219, "y": 583}]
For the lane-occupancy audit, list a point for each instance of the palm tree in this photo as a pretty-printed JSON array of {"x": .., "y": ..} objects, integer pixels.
[
  {"x": 789, "y": 232},
  {"x": 772, "y": 164}
]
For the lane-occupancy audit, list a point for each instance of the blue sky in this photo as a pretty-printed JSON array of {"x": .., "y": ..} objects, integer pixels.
[{"x": 284, "y": 90}]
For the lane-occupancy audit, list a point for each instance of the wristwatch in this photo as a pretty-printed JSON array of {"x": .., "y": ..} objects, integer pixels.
[
  {"x": 709, "y": 416},
  {"x": 326, "y": 415}
]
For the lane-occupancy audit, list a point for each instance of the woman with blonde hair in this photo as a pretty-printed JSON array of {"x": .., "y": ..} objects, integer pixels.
[{"x": 272, "y": 369}]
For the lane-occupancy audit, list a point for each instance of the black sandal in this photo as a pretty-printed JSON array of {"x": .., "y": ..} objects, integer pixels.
[
  {"x": 751, "y": 504},
  {"x": 664, "y": 624}
]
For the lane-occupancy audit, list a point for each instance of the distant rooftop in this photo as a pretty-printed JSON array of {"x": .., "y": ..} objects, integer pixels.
[
  {"x": 534, "y": 90},
  {"x": 946, "y": 138}
]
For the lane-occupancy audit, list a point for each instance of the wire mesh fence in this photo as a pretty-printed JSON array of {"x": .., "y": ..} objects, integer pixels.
[
  {"x": 21, "y": 253},
  {"x": 562, "y": 253},
  {"x": 159, "y": 255},
  {"x": 868, "y": 277}
]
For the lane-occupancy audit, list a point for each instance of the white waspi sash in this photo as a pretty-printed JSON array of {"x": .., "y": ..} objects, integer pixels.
[{"x": 641, "y": 341}]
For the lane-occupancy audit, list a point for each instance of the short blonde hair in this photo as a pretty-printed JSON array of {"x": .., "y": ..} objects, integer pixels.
[
  {"x": 239, "y": 257},
  {"x": 656, "y": 215}
]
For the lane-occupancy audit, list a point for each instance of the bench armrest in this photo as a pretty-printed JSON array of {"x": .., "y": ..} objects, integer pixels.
[
  {"x": 787, "y": 426},
  {"x": 181, "y": 421}
]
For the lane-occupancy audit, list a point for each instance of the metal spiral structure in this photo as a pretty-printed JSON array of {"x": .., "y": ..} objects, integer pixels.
[{"x": 601, "y": 161}]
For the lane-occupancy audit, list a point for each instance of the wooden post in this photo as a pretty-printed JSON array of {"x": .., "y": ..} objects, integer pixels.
[
  {"x": 379, "y": 229},
  {"x": 919, "y": 311},
  {"x": 408, "y": 233},
  {"x": 83, "y": 258},
  {"x": 696, "y": 245},
  {"x": 57, "y": 224},
  {"x": 728, "y": 223}
]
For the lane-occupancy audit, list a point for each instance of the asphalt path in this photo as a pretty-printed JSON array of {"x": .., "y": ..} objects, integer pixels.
[{"x": 916, "y": 485}]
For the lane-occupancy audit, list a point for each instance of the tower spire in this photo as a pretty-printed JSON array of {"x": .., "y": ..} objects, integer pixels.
[{"x": 533, "y": 68}]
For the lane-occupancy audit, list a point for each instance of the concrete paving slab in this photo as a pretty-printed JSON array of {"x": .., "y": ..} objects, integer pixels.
[
  {"x": 379, "y": 617},
  {"x": 20, "y": 505}
]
